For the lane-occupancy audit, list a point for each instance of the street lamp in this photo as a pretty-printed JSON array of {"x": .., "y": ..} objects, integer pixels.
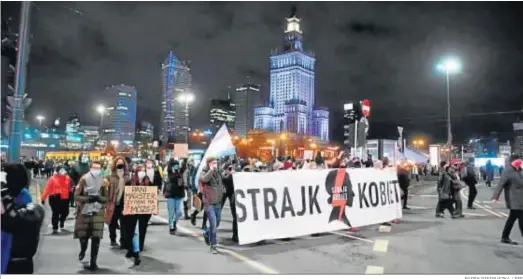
[
  {"x": 449, "y": 66},
  {"x": 101, "y": 111},
  {"x": 40, "y": 118},
  {"x": 186, "y": 98}
]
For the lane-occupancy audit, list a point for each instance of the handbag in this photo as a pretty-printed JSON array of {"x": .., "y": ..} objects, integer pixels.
[{"x": 196, "y": 201}]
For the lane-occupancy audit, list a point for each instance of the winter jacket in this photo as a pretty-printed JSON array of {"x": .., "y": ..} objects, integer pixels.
[
  {"x": 512, "y": 182},
  {"x": 445, "y": 186},
  {"x": 212, "y": 184},
  {"x": 21, "y": 223},
  {"x": 57, "y": 185},
  {"x": 174, "y": 188}
]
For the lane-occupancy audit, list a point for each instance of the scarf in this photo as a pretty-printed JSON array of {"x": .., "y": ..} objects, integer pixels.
[{"x": 92, "y": 187}]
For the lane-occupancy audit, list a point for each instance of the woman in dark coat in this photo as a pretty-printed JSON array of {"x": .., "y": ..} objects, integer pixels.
[
  {"x": 118, "y": 179},
  {"x": 90, "y": 196}
]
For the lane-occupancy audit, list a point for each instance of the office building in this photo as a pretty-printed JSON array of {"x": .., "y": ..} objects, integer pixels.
[
  {"x": 90, "y": 135},
  {"x": 120, "y": 119},
  {"x": 72, "y": 126},
  {"x": 222, "y": 112},
  {"x": 517, "y": 144},
  {"x": 246, "y": 97},
  {"x": 176, "y": 80},
  {"x": 292, "y": 74},
  {"x": 145, "y": 133}
]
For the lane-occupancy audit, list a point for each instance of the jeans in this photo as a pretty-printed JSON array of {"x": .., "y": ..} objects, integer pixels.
[
  {"x": 214, "y": 212},
  {"x": 174, "y": 207}
]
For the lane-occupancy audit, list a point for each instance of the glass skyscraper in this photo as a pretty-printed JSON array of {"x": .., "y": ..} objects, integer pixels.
[
  {"x": 291, "y": 104},
  {"x": 120, "y": 119},
  {"x": 246, "y": 97},
  {"x": 222, "y": 111},
  {"x": 177, "y": 79}
]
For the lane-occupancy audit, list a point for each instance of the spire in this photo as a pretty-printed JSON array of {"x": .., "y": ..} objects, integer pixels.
[{"x": 293, "y": 11}]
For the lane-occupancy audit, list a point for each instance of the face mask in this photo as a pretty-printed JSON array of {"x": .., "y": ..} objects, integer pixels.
[
  {"x": 141, "y": 174},
  {"x": 62, "y": 172},
  {"x": 120, "y": 166},
  {"x": 95, "y": 172},
  {"x": 84, "y": 159}
]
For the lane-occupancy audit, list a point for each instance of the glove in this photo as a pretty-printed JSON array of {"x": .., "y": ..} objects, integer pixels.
[
  {"x": 93, "y": 199},
  {"x": 43, "y": 202}
]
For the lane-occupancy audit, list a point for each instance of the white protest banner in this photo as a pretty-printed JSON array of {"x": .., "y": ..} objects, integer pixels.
[
  {"x": 221, "y": 145},
  {"x": 286, "y": 204}
]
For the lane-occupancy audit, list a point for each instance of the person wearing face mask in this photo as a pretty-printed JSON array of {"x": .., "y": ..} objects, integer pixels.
[
  {"x": 174, "y": 192},
  {"x": 78, "y": 171},
  {"x": 511, "y": 182},
  {"x": 147, "y": 176},
  {"x": 91, "y": 196},
  {"x": 118, "y": 179},
  {"x": 57, "y": 189},
  {"x": 21, "y": 221},
  {"x": 213, "y": 189}
]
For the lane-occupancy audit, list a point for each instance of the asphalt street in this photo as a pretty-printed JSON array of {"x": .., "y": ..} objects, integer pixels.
[{"x": 419, "y": 244}]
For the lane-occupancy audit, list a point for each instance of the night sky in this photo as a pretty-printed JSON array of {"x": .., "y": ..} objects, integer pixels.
[{"x": 383, "y": 51}]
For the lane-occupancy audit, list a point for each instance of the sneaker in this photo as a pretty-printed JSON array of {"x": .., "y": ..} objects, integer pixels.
[
  {"x": 214, "y": 250},
  {"x": 172, "y": 232},
  {"x": 113, "y": 243},
  {"x": 471, "y": 208},
  {"x": 193, "y": 219},
  {"x": 440, "y": 215},
  {"x": 55, "y": 232}
]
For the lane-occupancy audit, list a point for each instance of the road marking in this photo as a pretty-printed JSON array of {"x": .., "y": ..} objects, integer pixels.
[
  {"x": 371, "y": 269},
  {"x": 486, "y": 207},
  {"x": 353, "y": 237},
  {"x": 503, "y": 213},
  {"x": 474, "y": 214},
  {"x": 425, "y": 196},
  {"x": 381, "y": 245},
  {"x": 417, "y": 207},
  {"x": 252, "y": 263}
]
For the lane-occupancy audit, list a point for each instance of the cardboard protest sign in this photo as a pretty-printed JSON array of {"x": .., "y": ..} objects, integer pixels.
[{"x": 140, "y": 200}]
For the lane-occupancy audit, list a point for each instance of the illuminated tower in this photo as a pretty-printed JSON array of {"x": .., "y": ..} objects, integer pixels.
[
  {"x": 177, "y": 80},
  {"x": 291, "y": 87}
]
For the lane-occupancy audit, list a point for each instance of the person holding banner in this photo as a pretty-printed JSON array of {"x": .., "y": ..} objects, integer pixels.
[
  {"x": 211, "y": 180},
  {"x": 90, "y": 195},
  {"x": 174, "y": 192},
  {"x": 142, "y": 177}
]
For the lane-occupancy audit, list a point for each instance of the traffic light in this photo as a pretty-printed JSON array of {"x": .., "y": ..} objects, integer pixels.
[{"x": 9, "y": 102}]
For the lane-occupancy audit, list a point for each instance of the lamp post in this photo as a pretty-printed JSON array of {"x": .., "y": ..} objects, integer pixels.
[
  {"x": 186, "y": 99},
  {"x": 40, "y": 118},
  {"x": 449, "y": 66},
  {"x": 101, "y": 111},
  {"x": 15, "y": 137}
]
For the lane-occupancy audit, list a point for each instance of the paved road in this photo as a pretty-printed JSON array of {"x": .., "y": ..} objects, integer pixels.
[{"x": 419, "y": 244}]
